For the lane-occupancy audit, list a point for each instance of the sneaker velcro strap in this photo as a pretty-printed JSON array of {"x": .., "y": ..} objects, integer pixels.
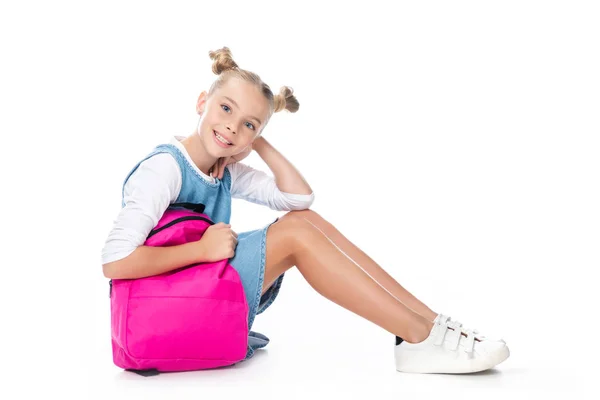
[
  {"x": 441, "y": 335},
  {"x": 470, "y": 342},
  {"x": 454, "y": 339}
]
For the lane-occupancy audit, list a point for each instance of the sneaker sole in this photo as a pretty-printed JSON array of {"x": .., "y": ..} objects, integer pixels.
[{"x": 425, "y": 367}]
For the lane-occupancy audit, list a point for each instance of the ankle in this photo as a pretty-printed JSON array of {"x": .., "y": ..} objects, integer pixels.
[
  {"x": 419, "y": 331},
  {"x": 432, "y": 316}
]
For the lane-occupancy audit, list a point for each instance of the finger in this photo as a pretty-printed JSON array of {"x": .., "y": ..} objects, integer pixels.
[
  {"x": 227, "y": 161},
  {"x": 215, "y": 168},
  {"x": 221, "y": 169}
]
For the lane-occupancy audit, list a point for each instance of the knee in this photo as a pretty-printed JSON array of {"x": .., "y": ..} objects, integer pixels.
[
  {"x": 297, "y": 225},
  {"x": 296, "y": 219},
  {"x": 311, "y": 218},
  {"x": 302, "y": 215},
  {"x": 302, "y": 226}
]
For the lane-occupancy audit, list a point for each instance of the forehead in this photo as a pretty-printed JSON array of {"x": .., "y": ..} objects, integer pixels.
[{"x": 247, "y": 96}]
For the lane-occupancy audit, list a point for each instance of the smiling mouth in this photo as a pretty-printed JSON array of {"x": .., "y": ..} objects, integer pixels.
[{"x": 222, "y": 139}]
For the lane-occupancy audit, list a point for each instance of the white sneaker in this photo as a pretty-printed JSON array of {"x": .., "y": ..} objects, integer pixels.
[
  {"x": 441, "y": 318},
  {"x": 447, "y": 351}
]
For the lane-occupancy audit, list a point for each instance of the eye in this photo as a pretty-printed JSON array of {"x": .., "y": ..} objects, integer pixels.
[{"x": 225, "y": 105}]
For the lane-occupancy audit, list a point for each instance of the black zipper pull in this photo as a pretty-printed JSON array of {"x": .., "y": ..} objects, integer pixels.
[{"x": 110, "y": 291}]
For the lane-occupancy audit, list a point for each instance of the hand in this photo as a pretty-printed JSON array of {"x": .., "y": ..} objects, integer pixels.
[
  {"x": 218, "y": 242},
  {"x": 219, "y": 167}
]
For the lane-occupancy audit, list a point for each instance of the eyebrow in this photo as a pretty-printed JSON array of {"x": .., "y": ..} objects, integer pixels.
[{"x": 236, "y": 104}]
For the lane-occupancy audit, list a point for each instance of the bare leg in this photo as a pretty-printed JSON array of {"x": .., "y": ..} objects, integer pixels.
[
  {"x": 295, "y": 241},
  {"x": 366, "y": 263}
]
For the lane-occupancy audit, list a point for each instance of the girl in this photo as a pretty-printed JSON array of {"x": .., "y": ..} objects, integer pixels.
[{"x": 204, "y": 168}]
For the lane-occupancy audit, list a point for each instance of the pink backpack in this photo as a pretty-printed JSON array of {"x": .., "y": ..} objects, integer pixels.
[{"x": 191, "y": 318}]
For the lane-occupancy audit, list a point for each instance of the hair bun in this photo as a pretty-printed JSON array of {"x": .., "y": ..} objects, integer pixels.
[
  {"x": 286, "y": 100},
  {"x": 223, "y": 60}
]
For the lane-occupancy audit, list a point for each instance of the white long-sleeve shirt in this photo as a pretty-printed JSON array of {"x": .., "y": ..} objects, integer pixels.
[{"x": 156, "y": 184}]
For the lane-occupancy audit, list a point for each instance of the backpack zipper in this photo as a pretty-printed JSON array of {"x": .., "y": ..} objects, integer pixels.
[{"x": 176, "y": 221}]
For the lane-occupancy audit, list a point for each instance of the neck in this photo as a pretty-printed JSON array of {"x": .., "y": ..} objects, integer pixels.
[{"x": 198, "y": 153}]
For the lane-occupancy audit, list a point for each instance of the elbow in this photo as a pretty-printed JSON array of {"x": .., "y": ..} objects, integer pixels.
[
  {"x": 304, "y": 204},
  {"x": 117, "y": 265},
  {"x": 293, "y": 202},
  {"x": 108, "y": 270},
  {"x": 113, "y": 270},
  {"x": 311, "y": 201}
]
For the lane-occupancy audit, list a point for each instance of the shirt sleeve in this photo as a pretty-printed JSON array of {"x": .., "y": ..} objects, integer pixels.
[
  {"x": 154, "y": 185},
  {"x": 257, "y": 187}
]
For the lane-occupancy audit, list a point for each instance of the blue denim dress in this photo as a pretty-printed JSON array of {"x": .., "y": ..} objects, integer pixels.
[{"x": 250, "y": 252}]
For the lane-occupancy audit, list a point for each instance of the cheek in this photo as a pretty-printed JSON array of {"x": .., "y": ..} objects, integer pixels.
[
  {"x": 206, "y": 126},
  {"x": 242, "y": 146}
]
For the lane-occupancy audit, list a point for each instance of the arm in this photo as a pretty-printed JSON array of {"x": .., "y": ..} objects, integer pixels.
[
  {"x": 148, "y": 192},
  {"x": 287, "y": 177},
  {"x": 256, "y": 186},
  {"x": 148, "y": 261}
]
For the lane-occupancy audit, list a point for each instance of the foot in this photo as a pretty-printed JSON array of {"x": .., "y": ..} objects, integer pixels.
[
  {"x": 448, "y": 351},
  {"x": 459, "y": 326}
]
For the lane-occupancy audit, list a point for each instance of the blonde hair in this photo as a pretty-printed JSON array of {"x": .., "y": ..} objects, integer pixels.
[{"x": 226, "y": 68}]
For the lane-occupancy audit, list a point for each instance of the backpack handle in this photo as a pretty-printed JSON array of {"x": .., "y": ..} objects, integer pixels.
[{"x": 196, "y": 207}]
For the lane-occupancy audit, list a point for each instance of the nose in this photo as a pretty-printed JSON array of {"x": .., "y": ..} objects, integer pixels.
[{"x": 229, "y": 129}]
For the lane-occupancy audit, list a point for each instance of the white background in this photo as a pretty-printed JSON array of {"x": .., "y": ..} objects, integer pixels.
[{"x": 455, "y": 142}]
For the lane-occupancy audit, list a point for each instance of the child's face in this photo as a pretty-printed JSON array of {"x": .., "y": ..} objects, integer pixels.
[{"x": 232, "y": 111}]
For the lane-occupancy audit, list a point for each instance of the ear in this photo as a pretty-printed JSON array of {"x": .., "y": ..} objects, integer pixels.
[{"x": 201, "y": 103}]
